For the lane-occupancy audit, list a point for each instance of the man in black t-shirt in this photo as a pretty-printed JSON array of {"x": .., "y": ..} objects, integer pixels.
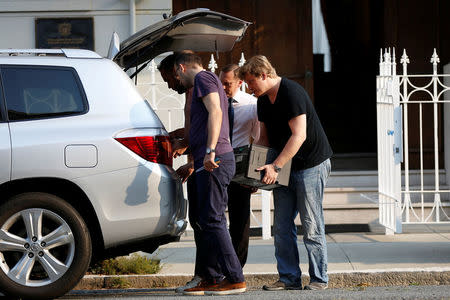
[{"x": 289, "y": 125}]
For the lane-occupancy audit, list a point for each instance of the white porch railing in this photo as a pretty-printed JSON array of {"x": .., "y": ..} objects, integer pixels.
[{"x": 398, "y": 98}]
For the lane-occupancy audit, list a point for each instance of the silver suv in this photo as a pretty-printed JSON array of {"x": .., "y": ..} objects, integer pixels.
[{"x": 86, "y": 167}]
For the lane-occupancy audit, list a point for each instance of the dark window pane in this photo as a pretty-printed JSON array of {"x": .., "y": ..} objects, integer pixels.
[{"x": 35, "y": 92}]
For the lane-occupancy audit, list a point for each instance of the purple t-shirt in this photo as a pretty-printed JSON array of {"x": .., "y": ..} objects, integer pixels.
[{"x": 206, "y": 83}]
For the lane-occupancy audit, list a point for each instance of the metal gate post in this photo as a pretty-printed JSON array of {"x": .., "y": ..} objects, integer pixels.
[
  {"x": 389, "y": 131},
  {"x": 437, "y": 195}
]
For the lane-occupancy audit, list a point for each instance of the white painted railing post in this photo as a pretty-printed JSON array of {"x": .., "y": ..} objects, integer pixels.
[
  {"x": 265, "y": 212},
  {"x": 437, "y": 195},
  {"x": 407, "y": 197},
  {"x": 398, "y": 148},
  {"x": 152, "y": 69},
  {"x": 212, "y": 66},
  {"x": 240, "y": 64}
]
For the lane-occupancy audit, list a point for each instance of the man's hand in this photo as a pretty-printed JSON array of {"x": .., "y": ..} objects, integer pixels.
[
  {"x": 209, "y": 163},
  {"x": 178, "y": 147},
  {"x": 270, "y": 176},
  {"x": 185, "y": 171}
]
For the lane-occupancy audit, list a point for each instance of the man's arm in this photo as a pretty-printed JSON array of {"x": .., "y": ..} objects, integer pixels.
[
  {"x": 179, "y": 143},
  {"x": 187, "y": 114},
  {"x": 298, "y": 129},
  {"x": 212, "y": 104},
  {"x": 254, "y": 133},
  {"x": 263, "y": 140}
]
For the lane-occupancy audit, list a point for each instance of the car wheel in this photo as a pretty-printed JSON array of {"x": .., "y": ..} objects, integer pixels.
[{"x": 45, "y": 246}]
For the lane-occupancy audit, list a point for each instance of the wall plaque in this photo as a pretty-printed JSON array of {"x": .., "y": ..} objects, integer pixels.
[{"x": 65, "y": 33}]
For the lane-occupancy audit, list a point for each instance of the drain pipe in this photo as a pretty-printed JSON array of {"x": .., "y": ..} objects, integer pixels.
[{"x": 132, "y": 17}]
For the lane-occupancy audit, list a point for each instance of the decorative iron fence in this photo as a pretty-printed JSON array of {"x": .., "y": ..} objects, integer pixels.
[{"x": 410, "y": 114}]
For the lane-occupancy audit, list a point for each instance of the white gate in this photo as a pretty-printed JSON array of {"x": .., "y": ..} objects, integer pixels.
[
  {"x": 389, "y": 150},
  {"x": 410, "y": 107}
]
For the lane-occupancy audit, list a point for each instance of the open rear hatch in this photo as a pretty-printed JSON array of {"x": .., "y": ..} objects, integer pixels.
[{"x": 196, "y": 29}]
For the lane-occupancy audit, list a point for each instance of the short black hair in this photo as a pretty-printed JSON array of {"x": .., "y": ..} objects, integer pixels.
[
  {"x": 167, "y": 63},
  {"x": 188, "y": 59}
]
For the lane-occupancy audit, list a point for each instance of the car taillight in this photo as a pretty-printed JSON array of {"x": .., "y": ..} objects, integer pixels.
[{"x": 156, "y": 149}]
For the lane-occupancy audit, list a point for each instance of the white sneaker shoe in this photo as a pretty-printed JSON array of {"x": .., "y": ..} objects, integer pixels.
[{"x": 190, "y": 284}]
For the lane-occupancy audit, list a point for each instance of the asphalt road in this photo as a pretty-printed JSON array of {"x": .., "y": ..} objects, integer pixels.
[{"x": 394, "y": 292}]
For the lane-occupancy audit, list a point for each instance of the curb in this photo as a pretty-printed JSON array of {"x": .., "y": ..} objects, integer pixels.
[{"x": 336, "y": 280}]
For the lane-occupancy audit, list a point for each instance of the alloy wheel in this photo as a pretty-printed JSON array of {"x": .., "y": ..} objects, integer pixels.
[{"x": 36, "y": 247}]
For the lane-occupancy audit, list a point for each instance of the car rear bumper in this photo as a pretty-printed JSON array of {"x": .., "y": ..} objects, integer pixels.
[{"x": 178, "y": 222}]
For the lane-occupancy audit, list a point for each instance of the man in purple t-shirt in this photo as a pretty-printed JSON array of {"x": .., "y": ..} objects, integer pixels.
[{"x": 214, "y": 167}]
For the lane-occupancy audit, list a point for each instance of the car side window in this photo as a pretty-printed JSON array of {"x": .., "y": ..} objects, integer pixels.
[{"x": 42, "y": 92}]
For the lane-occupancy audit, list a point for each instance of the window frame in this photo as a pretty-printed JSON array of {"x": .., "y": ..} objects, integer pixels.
[
  {"x": 3, "y": 111},
  {"x": 79, "y": 85}
]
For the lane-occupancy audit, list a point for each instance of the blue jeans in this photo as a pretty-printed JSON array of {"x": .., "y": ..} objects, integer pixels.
[{"x": 304, "y": 195}]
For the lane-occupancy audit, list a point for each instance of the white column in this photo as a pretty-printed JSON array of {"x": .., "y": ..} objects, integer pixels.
[
  {"x": 265, "y": 212},
  {"x": 132, "y": 17}
]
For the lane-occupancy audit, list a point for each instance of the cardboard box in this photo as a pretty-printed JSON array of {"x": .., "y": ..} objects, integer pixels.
[{"x": 248, "y": 159}]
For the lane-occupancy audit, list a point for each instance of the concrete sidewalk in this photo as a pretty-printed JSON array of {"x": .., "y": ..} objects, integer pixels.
[{"x": 421, "y": 257}]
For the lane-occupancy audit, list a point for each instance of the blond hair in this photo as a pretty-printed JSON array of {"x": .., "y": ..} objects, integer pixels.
[{"x": 256, "y": 66}]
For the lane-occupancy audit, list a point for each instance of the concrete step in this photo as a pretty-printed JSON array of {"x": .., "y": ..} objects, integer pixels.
[
  {"x": 358, "y": 205},
  {"x": 370, "y": 178},
  {"x": 363, "y": 214},
  {"x": 336, "y": 198}
]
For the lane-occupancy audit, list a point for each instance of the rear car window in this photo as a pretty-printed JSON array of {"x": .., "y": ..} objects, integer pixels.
[{"x": 41, "y": 92}]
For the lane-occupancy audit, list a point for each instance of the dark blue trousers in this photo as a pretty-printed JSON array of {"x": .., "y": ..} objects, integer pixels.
[
  {"x": 239, "y": 216},
  {"x": 193, "y": 219},
  {"x": 214, "y": 245}
]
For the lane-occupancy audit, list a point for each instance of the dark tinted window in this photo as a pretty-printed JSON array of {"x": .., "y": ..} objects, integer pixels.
[{"x": 39, "y": 92}]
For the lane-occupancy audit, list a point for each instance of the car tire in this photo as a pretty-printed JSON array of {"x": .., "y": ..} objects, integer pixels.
[{"x": 45, "y": 246}]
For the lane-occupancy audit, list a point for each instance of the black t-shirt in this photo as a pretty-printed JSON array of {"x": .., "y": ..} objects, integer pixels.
[{"x": 292, "y": 101}]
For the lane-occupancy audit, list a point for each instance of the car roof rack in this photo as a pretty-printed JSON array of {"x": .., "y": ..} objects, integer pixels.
[{"x": 69, "y": 53}]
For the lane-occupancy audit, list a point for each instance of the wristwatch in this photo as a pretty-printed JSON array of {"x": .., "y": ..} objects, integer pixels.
[
  {"x": 210, "y": 150},
  {"x": 276, "y": 168}
]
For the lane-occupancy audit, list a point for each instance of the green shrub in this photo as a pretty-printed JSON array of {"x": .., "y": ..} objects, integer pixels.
[
  {"x": 118, "y": 283},
  {"x": 122, "y": 265}
]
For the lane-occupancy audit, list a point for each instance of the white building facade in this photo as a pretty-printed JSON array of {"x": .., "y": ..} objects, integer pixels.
[{"x": 18, "y": 18}]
